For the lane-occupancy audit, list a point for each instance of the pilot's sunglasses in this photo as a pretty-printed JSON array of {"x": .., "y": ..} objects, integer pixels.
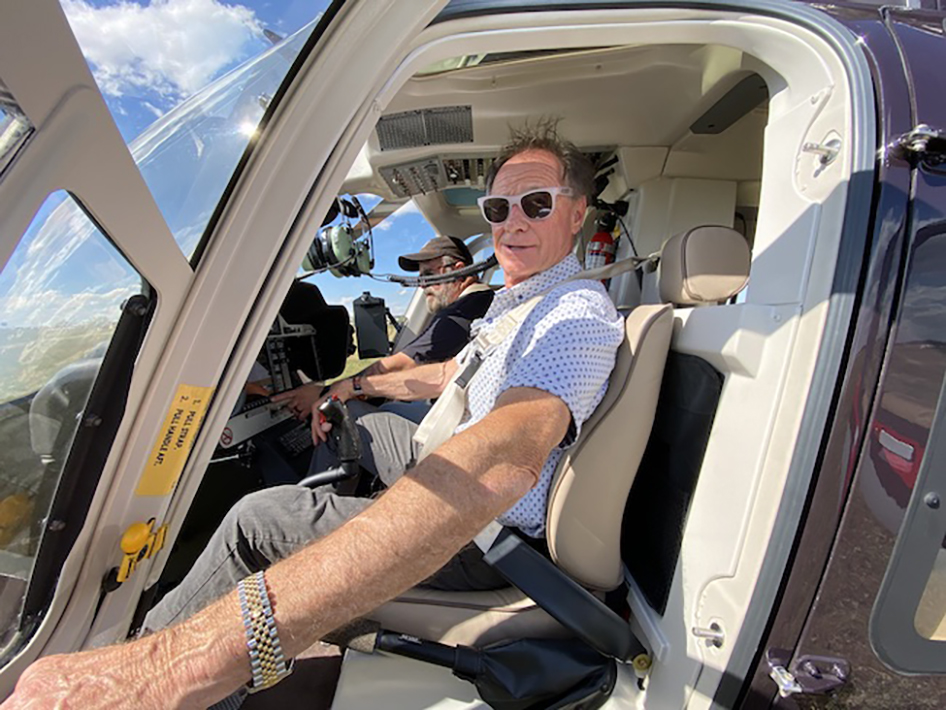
[{"x": 535, "y": 204}]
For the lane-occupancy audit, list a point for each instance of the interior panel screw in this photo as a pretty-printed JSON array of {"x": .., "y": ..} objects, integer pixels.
[{"x": 931, "y": 500}]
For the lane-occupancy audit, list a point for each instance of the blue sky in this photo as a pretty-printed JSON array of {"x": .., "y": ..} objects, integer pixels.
[{"x": 148, "y": 56}]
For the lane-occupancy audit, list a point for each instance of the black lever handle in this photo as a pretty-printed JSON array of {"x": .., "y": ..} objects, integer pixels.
[{"x": 347, "y": 440}]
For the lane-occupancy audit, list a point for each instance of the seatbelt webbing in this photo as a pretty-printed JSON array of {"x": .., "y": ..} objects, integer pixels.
[{"x": 444, "y": 417}]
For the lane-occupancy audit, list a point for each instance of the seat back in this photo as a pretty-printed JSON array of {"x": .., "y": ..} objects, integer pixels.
[
  {"x": 702, "y": 266},
  {"x": 590, "y": 487}
]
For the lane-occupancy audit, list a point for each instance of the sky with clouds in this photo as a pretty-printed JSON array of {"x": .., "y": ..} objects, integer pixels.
[{"x": 149, "y": 56}]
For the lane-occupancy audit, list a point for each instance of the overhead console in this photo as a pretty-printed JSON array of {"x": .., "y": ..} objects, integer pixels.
[{"x": 420, "y": 177}]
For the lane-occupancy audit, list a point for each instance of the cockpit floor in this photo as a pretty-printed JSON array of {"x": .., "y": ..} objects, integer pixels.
[{"x": 310, "y": 687}]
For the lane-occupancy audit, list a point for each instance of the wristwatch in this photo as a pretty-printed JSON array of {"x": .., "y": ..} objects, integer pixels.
[
  {"x": 267, "y": 662},
  {"x": 356, "y": 386}
]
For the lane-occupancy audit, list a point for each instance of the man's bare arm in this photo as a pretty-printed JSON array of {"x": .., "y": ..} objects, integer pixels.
[
  {"x": 420, "y": 382},
  {"x": 403, "y": 538},
  {"x": 398, "y": 362},
  {"x": 304, "y": 398}
]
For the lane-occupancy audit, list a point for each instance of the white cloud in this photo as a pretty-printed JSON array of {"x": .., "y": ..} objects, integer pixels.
[
  {"x": 174, "y": 47},
  {"x": 152, "y": 108},
  {"x": 409, "y": 207},
  {"x": 57, "y": 309},
  {"x": 66, "y": 275}
]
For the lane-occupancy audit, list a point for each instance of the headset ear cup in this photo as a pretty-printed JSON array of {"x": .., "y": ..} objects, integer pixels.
[{"x": 362, "y": 262}]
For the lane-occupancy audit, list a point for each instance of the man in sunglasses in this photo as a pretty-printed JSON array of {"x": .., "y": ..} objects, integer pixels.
[{"x": 526, "y": 405}]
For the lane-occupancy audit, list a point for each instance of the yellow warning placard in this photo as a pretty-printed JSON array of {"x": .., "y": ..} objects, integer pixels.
[{"x": 174, "y": 441}]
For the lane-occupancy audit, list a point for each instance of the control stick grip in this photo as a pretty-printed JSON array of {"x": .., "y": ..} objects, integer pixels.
[{"x": 347, "y": 440}]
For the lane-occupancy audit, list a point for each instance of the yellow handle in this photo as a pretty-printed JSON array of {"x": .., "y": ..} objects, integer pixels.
[{"x": 136, "y": 537}]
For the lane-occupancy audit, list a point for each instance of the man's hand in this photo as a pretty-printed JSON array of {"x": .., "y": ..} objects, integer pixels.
[
  {"x": 192, "y": 666},
  {"x": 125, "y": 676},
  {"x": 299, "y": 400},
  {"x": 80, "y": 681},
  {"x": 320, "y": 428}
]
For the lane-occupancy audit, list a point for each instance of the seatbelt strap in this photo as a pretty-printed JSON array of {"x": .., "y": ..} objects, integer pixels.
[{"x": 447, "y": 413}]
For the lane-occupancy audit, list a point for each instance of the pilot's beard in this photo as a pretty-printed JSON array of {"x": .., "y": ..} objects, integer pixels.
[{"x": 438, "y": 300}]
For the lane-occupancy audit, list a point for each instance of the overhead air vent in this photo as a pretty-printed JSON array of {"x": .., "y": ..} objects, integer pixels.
[
  {"x": 431, "y": 126},
  {"x": 416, "y": 178}
]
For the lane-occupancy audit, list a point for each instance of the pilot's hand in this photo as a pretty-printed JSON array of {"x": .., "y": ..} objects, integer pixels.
[
  {"x": 301, "y": 400},
  {"x": 320, "y": 428}
]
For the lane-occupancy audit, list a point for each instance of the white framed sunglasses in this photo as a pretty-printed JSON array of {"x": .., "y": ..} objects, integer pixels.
[{"x": 535, "y": 204}]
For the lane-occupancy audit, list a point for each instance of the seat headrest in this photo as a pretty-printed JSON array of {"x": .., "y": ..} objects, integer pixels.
[{"x": 703, "y": 265}]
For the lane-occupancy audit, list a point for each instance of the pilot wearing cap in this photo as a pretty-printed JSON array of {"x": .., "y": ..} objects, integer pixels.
[{"x": 454, "y": 305}]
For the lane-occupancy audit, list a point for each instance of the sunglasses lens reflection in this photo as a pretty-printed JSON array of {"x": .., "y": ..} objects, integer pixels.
[
  {"x": 537, "y": 205},
  {"x": 496, "y": 209}
]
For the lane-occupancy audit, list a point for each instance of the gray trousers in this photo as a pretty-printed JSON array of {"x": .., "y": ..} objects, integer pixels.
[{"x": 269, "y": 525}]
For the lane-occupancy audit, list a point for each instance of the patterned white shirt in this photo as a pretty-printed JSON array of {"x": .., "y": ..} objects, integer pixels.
[{"x": 566, "y": 346}]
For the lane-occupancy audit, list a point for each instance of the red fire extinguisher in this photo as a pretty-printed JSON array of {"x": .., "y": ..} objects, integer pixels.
[{"x": 602, "y": 247}]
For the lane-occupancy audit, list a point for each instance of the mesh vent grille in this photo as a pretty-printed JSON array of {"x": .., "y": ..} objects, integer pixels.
[{"x": 433, "y": 126}]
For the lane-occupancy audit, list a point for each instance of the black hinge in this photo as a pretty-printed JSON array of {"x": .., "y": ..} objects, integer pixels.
[
  {"x": 811, "y": 675},
  {"x": 922, "y": 144}
]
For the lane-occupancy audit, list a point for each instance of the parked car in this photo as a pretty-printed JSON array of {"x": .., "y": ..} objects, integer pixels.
[{"x": 794, "y": 555}]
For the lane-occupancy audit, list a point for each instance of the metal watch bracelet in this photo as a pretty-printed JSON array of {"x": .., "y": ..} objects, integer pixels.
[{"x": 267, "y": 662}]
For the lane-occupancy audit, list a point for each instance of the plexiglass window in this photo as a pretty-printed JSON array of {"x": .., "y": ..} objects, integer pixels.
[
  {"x": 188, "y": 84},
  {"x": 61, "y": 296},
  {"x": 930, "y": 619},
  {"x": 908, "y": 622}
]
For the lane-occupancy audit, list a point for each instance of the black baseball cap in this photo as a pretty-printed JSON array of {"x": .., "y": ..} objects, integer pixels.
[{"x": 437, "y": 247}]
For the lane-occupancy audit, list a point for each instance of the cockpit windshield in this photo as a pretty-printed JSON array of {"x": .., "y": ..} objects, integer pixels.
[
  {"x": 187, "y": 157},
  {"x": 189, "y": 154}
]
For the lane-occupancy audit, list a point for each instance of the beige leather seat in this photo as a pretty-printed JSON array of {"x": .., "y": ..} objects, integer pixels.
[{"x": 590, "y": 487}]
